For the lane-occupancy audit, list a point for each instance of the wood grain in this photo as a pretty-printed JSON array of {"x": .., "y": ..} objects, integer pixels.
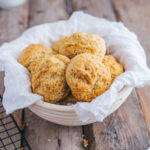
[
  {"x": 144, "y": 97},
  {"x": 43, "y": 11},
  {"x": 121, "y": 130},
  {"x": 99, "y": 8},
  {"x": 12, "y": 23},
  {"x": 44, "y": 135},
  {"x": 124, "y": 129},
  {"x": 135, "y": 14},
  {"x": 1, "y": 83},
  {"x": 41, "y": 134}
]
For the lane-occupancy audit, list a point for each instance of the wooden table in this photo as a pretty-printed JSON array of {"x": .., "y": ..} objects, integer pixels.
[{"x": 126, "y": 129}]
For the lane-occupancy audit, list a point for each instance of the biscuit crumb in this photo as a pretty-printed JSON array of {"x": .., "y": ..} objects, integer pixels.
[{"x": 85, "y": 143}]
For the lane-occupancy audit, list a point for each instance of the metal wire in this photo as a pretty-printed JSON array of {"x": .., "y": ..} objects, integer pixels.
[{"x": 8, "y": 140}]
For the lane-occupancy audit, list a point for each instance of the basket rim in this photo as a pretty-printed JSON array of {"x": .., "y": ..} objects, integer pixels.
[{"x": 63, "y": 108}]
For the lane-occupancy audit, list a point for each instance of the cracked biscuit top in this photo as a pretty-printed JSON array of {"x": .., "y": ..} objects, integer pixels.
[
  {"x": 115, "y": 68},
  {"x": 79, "y": 43},
  {"x": 87, "y": 77},
  {"x": 48, "y": 77},
  {"x": 32, "y": 53}
]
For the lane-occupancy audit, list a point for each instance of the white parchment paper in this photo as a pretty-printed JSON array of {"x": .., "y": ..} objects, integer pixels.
[{"x": 121, "y": 43}]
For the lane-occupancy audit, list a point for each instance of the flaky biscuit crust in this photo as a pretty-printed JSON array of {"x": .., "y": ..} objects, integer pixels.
[
  {"x": 32, "y": 53},
  {"x": 87, "y": 77},
  {"x": 48, "y": 77},
  {"x": 115, "y": 68},
  {"x": 80, "y": 43}
]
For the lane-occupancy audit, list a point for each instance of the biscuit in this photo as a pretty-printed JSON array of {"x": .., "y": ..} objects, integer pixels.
[
  {"x": 48, "y": 77},
  {"x": 87, "y": 77},
  {"x": 32, "y": 53},
  {"x": 115, "y": 68},
  {"x": 79, "y": 43}
]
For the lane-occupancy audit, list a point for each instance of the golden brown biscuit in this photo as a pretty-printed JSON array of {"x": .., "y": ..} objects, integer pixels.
[
  {"x": 48, "y": 77},
  {"x": 32, "y": 53},
  {"x": 80, "y": 43},
  {"x": 115, "y": 68},
  {"x": 87, "y": 77}
]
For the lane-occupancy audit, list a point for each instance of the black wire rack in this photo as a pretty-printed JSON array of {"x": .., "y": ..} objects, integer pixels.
[{"x": 11, "y": 137}]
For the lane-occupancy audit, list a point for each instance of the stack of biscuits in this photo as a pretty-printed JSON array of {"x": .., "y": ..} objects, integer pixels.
[{"x": 76, "y": 68}]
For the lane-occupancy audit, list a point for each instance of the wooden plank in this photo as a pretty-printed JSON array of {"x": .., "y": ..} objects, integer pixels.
[
  {"x": 135, "y": 14},
  {"x": 99, "y": 8},
  {"x": 144, "y": 97},
  {"x": 12, "y": 23},
  {"x": 122, "y": 129},
  {"x": 41, "y": 134},
  {"x": 47, "y": 11},
  {"x": 1, "y": 83}
]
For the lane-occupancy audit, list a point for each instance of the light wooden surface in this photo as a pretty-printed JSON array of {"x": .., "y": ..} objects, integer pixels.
[
  {"x": 110, "y": 133},
  {"x": 136, "y": 16},
  {"x": 144, "y": 98},
  {"x": 127, "y": 128},
  {"x": 12, "y": 24},
  {"x": 99, "y": 8}
]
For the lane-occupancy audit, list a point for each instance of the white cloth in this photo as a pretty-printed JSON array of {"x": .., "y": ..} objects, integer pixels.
[{"x": 120, "y": 42}]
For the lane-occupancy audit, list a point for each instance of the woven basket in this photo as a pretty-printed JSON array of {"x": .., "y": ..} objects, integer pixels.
[{"x": 65, "y": 115}]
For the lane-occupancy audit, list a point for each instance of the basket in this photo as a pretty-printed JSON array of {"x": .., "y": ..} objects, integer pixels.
[{"x": 65, "y": 115}]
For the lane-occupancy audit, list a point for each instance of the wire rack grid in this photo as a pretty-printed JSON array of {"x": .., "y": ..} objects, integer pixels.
[{"x": 11, "y": 137}]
